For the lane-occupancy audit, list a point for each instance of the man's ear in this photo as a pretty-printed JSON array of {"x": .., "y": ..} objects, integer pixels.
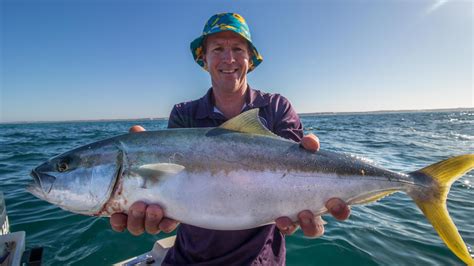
[{"x": 204, "y": 60}]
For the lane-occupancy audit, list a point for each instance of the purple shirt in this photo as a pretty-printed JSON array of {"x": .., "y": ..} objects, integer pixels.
[{"x": 264, "y": 245}]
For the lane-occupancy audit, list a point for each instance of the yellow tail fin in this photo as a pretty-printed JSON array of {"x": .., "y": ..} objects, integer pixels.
[{"x": 433, "y": 203}]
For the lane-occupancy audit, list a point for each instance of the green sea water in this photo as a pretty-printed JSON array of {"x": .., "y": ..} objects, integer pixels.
[{"x": 391, "y": 231}]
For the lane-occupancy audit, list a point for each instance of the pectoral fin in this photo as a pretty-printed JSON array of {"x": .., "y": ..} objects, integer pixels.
[{"x": 159, "y": 170}]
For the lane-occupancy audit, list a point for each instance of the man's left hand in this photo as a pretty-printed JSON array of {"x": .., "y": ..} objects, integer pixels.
[{"x": 313, "y": 226}]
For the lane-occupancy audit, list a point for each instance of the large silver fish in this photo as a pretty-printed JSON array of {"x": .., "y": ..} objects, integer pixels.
[{"x": 236, "y": 176}]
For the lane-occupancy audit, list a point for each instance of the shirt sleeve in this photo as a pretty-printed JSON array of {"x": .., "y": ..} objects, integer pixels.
[
  {"x": 287, "y": 123},
  {"x": 176, "y": 119}
]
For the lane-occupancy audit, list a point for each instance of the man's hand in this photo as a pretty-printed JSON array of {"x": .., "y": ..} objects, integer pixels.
[
  {"x": 136, "y": 128},
  {"x": 313, "y": 226},
  {"x": 142, "y": 217},
  {"x": 310, "y": 142}
]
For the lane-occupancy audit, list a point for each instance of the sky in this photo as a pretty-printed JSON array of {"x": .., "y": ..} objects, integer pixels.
[{"x": 104, "y": 59}]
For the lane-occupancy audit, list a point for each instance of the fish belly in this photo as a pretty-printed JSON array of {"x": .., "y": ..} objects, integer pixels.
[{"x": 245, "y": 199}]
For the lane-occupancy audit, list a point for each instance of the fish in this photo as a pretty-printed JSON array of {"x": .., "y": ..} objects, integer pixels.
[{"x": 236, "y": 176}]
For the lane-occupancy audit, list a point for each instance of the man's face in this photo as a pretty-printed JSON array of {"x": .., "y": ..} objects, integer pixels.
[{"x": 227, "y": 60}]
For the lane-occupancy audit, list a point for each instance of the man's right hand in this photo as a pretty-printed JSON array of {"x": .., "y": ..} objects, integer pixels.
[{"x": 142, "y": 217}]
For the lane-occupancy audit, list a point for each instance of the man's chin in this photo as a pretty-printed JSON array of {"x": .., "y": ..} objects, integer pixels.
[{"x": 230, "y": 86}]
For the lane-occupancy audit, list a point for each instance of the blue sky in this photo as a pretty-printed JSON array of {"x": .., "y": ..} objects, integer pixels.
[{"x": 104, "y": 59}]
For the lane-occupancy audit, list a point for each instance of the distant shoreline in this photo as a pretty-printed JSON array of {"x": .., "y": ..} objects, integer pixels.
[{"x": 460, "y": 109}]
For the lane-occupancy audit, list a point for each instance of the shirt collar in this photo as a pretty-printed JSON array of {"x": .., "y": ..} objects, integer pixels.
[{"x": 253, "y": 99}]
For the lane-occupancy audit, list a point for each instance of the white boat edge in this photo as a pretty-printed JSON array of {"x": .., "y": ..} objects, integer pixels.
[
  {"x": 152, "y": 257},
  {"x": 14, "y": 255},
  {"x": 19, "y": 239}
]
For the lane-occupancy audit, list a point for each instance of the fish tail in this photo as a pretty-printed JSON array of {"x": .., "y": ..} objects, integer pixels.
[{"x": 432, "y": 202}]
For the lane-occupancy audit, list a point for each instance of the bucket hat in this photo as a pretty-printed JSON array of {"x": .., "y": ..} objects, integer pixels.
[{"x": 225, "y": 22}]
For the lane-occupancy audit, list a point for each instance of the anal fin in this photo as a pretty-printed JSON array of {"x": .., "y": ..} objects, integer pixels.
[{"x": 364, "y": 199}]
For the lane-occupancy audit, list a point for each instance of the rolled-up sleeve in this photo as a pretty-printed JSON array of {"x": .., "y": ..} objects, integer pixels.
[
  {"x": 287, "y": 123},
  {"x": 175, "y": 119}
]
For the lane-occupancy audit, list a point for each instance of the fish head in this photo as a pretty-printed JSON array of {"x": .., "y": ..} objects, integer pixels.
[{"x": 81, "y": 180}]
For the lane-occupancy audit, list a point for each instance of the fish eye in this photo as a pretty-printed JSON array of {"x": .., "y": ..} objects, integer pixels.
[{"x": 62, "y": 167}]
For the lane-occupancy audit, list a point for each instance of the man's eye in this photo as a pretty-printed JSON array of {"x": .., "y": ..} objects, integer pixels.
[
  {"x": 240, "y": 50},
  {"x": 217, "y": 49}
]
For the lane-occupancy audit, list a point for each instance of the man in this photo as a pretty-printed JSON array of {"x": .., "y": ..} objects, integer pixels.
[{"x": 226, "y": 51}]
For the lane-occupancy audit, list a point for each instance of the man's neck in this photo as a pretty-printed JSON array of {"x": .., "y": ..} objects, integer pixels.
[{"x": 230, "y": 103}]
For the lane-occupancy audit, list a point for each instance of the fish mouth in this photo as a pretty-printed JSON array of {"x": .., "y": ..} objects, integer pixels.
[
  {"x": 36, "y": 178},
  {"x": 35, "y": 186},
  {"x": 42, "y": 184}
]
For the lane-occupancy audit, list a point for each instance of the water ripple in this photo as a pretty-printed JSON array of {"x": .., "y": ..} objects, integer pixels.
[{"x": 391, "y": 231}]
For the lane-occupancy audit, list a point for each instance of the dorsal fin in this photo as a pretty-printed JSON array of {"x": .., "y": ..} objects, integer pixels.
[{"x": 247, "y": 122}]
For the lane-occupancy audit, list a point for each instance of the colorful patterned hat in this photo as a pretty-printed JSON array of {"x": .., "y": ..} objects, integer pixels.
[{"x": 225, "y": 22}]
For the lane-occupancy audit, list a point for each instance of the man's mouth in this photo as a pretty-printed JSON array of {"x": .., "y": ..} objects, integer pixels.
[{"x": 228, "y": 71}]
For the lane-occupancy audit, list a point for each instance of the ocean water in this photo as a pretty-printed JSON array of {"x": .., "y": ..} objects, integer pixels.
[{"x": 391, "y": 231}]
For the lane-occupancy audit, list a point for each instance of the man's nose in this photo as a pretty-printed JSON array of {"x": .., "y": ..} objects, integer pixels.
[{"x": 228, "y": 56}]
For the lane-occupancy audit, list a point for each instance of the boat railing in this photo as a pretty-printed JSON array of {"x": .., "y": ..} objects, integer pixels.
[{"x": 5, "y": 227}]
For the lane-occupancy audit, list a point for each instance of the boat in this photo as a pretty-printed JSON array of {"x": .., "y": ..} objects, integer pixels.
[
  {"x": 12, "y": 244},
  {"x": 153, "y": 257}
]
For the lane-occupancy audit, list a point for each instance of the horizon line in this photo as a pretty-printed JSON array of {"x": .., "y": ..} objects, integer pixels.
[{"x": 299, "y": 114}]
